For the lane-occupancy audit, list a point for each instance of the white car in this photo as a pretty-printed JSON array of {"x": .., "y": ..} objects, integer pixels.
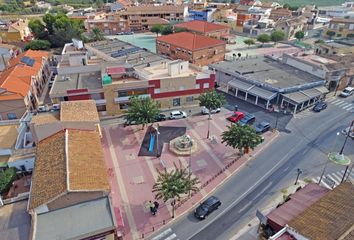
[
  {"x": 177, "y": 115},
  {"x": 206, "y": 111},
  {"x": 347, "y": 92}
]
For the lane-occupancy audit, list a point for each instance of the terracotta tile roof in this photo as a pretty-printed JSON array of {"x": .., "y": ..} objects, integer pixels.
[
  {"x": 329, "y": 218},
  {"x": 16, "y": 80},
  {"x": 79, "y": 111},
  {"x": 86, "y": 156},
  {"x": 44, "y": 118},
  {"x": 57, "y": 171},
  {"x": 201, "y": 26},
  {"x": 8, "y": 136},
  {"x": 157, "y": 20},
  {"x": 342, "y": 20},
  {"x": 20, "y": 25},
  {"x": 49, "y": 176},
  {"x": 190, "y": 41}
]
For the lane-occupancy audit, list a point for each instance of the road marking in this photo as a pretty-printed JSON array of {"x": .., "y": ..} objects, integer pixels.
[
  {"x": 336, "y": 177},
  {"x": 342, "y": 104},
  {"x": 249, "y": 189},
  {"x": 123, "y": 192},
  {"x": 338, "y": 103},
  {"x": 163, "y": 234},
  {"x": 348, "y": 106},
  {"x": 333, "y": 100}
]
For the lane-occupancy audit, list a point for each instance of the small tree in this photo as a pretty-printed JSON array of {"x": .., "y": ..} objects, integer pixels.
[
  {"x": 157, "y": 29},
  {"x": 249, "y": 42},
  {"x": 299, "y": 35},
  {"x": 211, "y": 100},
  {"x": 177, "y": 30},
  {"x": 277, "y": 36},
  {"x": 38, "y": 45},
  {"x": 97, "y": 34},
  {"x": 167, "y": 30},
  {"x": 142, "y": 111},
  {"x": 173, "y": 185},
  {"x": 330, "y": 34},
  {"x": 241, "y": 137},
  {"x": 263, "y": 38}
]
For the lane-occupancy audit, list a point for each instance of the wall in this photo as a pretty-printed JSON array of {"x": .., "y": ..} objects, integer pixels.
[
  {"x": 17, "y": 107},
  {"x": 303, "y": 66},
  {"x": 211, "y": 55},
  {"x": 78, "y": 69},
  {"x": 28, "y": 163},
  {"x": 8, "y": 37}
]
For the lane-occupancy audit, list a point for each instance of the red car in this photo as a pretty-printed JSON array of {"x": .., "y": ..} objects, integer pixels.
[{"x": 237, "y": 116}]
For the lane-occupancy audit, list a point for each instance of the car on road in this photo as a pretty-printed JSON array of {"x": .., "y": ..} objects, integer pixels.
[
  {"x": 207, "y": 207},
  {"x": 160, "y": 117},
  {"x": 205, "y": 111},
  {"x": 262, "y": 127},
  {"x": 347, "y": 92},
  {"x": 177, "y": 115},
  {"x": 319, "y": 106},
  {"x": 351, "y": 133},
  {"x": 237, "y": 116},
  {"x": 248, "y": 119}
]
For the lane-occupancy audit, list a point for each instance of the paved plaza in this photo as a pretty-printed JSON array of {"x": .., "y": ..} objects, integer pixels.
[{"x": 133, "y": 176}]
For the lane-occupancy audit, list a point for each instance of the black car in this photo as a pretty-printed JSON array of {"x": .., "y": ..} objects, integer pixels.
[
  {"x": 248, "y": 119},
  {"x": 207, "y": 207},
  {"x": 319, "y": 106},
  {"x": 262, "y": 127},
  {"x": 160, "y": 117}
]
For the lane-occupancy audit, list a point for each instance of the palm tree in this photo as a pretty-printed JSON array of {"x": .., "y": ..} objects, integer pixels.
[
  {"x": 142, "y": 111},
  {"x": 173, "y": 185},
  {"x": 211, "y": 100},
  {"x": 241, "y": 137}
]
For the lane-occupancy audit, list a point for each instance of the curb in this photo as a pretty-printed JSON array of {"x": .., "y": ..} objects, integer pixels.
[{"x": 220, "y": 184}]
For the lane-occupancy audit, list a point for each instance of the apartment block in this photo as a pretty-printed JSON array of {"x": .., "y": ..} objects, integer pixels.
[
  {"x": 108, "y": 23},
  {"x": 342, "y": 28},
  {"x": 172, "y": 85},
  {"x": 15, "y": 31},
  {"x": 291, "y": 26},
  {"x": 194, "y": 48},
  {"x": 143, "y": 17},
  {"x": 22, "y": 84},
  {"x": 204, "y": 28}
]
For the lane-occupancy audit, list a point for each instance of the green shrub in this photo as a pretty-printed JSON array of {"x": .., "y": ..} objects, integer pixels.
[{"x": 6, "y": 179}]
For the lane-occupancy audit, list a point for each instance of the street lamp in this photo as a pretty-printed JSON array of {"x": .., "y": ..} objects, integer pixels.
[
  {"x": 340, "y": 158},
  {"x": 158, "y": 154},
  {"x": 298, "y": 174}
]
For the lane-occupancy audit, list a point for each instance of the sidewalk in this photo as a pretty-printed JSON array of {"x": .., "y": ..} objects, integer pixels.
[
  {"x": 250, "y": 231},
  {"x": 133, "y": 176}
]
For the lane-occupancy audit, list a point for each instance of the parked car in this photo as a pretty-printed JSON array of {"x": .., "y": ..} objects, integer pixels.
[
  {"x": 177, "y": 115},
  {"x": 347, "y": 92},
  {"x": 55, "y": 107},
  {"x": 248, "y": 119},
  {"x": 207, "y": 207},
  {"x": 160, "y": 117},
  {"x": 206, "y": 111},
  {"x": 262, "y": 127},
  {"x": 319, "y": 106},
  {"x": 351, "y": 133},
  {"x": 237, "y": 116}
]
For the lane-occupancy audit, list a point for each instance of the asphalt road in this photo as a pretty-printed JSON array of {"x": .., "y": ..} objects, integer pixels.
[{"x": 303, "y": 143}]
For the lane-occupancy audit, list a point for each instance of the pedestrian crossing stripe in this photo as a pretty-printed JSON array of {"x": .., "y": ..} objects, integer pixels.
[
  {"x": 347, "y": 106},
  {"x": 334, "y": 178},
  {"x": 168, "y": 234}
]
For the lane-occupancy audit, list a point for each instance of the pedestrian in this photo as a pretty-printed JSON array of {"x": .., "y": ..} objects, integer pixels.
[
  {"x": 156, "y": 204},
  {"x": 153, "y": 210}
]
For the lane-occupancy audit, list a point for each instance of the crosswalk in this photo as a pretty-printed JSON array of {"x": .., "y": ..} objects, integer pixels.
[
  {"x": 168, "y": 234},
  {"x": 332, "y": 180},
  {"x": 303, "y": 114},
  {"x": 341, "y": 104}
]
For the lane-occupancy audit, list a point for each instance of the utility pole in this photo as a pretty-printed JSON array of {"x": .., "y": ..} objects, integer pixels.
[
  {"x": 298, "y": 174},
  {"x": 341, "y": 151}
]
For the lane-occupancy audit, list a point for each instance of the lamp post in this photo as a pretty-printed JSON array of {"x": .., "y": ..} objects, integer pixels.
[
  {"x": 158, "y": 154},
  {"x": 190, "y": 164},
  {"x": 340, "y": 158},
  {"x": 333, "y": 147},
  {"x": 298, "y": 174}
]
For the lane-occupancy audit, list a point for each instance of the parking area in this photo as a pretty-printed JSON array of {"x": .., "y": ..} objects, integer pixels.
[{"x": 132, "y": 176}]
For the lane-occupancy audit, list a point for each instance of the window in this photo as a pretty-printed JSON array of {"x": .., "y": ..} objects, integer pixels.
[
  {"x": 205, "y": 85},
  {"x": 157, "y": 90},
  {"x": 181, "y": 88},
  {"x": 176, "y": 102},
  {"x": 11, "y": 116},
  {"x": 197, "y": 86},
  {"x": 190, "y": 99},
  {"x": 123, "y": 106}
]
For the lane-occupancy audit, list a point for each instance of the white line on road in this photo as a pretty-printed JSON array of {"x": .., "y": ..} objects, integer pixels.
[
  {"x": 249, "y": 190},
  {"x": 342, "y": 104},
  {"x": 335, "y": 100},
  {"x": 163, "y": 234},
  {"x": 348, "y": 106},
  {"x": 338, "y": 103}
]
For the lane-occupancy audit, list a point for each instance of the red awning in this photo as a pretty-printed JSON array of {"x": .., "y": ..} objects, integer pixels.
[{"x": 115, "y": 70}]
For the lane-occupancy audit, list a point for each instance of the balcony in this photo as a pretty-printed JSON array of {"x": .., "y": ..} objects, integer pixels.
[{"x": 126, "y": 98}]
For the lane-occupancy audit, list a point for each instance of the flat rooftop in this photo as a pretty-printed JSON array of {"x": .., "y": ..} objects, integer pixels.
[
  {"x": 161, "y": 71},
  {"x": 314, "y": 59},
  {"x": 63, "y": 83},
  {"x": 124, "y": 53},
  {"x": 267, "y": 71}
]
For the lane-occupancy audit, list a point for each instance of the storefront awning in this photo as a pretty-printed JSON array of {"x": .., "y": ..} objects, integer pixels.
[
  {"x": 305, "y": 95},
  {"x": 252, "y": 89},
  {"x": 240, "y": 85}
]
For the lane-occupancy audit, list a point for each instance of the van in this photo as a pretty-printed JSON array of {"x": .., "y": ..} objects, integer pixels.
[{"x": 347, "y": 92}]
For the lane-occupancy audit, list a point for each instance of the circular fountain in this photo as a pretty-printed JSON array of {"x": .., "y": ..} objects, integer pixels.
[{"x": 183, "y": 146}]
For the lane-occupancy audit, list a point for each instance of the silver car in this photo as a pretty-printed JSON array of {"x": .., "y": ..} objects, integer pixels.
[{"x": 206, "y": 111}]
